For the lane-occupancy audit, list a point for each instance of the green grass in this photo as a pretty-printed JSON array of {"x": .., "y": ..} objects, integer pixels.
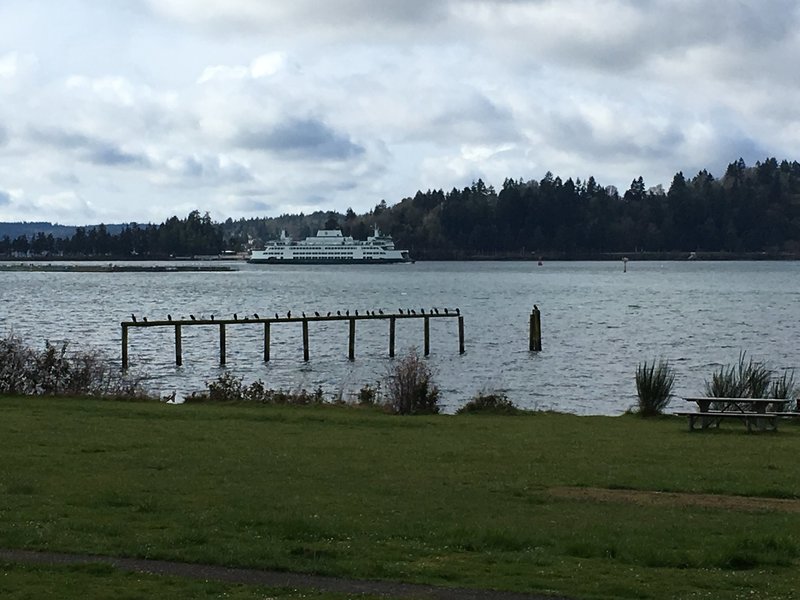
[
  {"x": 26, "y": 582},
  {"x": 450, "y": 500}
]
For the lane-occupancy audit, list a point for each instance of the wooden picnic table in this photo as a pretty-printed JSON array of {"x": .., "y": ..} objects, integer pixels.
[{"x": 753, "y": 412}]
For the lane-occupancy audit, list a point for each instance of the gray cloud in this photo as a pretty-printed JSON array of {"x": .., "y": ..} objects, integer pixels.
[
  {"x": 89, "y": 149},
  {"x": 212, "y": 170},
  {"x": 301, "y": 139},
  {"x": 5, "y": 198}
]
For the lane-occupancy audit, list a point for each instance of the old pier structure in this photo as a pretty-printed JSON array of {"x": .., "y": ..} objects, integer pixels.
[{"x": 304, "y": 320}]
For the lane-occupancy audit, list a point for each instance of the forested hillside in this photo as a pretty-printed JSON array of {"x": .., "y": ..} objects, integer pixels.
[{"x": 748, "y": 210}]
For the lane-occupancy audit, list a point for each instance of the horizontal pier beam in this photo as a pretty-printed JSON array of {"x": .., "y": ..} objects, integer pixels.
[{"x": 292, "y": 319}]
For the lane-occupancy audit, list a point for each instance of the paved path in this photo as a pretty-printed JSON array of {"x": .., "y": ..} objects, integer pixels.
[{"x": 269, "y": 578}]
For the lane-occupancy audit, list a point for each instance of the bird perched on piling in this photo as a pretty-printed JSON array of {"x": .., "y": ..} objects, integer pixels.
[
  {"x": 235, "y": 317},
  {"x": 144, "y": 319},
  {"x": 255, "y": 315},
  {"x": 356, "y": 312},
  {"x": 458, "y": 312},
  {"x": 338, "y": 313},
  {"x": 347, "y": 312},
  {"x": 277, "y": 316},
  {"x": 422, "y": 311},
  {"x": 192, "y": 317},
  {"x": 133, "y": 317},
  {"x": 329, "y": 313},
  {"x": 316, "y": 314},
  {"x": 400, "y": 310},
  {"x": 212, "y": 317},
  {"x": 289, "y": 314},
  {"x": 412, "y": 311},
  {"x": 446, "y": 311},
  {"x": 304, "y": 314},
  {"x": 380, "y": 311},
  {"x": 435, "y": 310},
  {"x": 169, "y": 317}
]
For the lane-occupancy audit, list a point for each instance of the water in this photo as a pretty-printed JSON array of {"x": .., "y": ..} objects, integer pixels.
[{"x": 598, "y": 323}]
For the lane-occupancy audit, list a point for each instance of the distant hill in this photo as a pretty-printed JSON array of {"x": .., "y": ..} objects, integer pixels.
[{"x": 30, "y": 229}]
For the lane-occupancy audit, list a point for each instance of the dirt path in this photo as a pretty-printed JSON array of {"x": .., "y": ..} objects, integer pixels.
[{"x": 268, "y": 578}]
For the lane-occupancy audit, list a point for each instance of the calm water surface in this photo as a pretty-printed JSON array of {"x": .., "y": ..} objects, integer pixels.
[{"x": 597, "y": 322}]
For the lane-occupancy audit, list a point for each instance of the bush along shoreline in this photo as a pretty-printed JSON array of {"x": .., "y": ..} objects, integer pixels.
[{"x": 407, "y": 388}]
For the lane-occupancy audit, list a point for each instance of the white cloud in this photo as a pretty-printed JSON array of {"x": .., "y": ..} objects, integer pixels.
[{"x": 242, "y": 107}]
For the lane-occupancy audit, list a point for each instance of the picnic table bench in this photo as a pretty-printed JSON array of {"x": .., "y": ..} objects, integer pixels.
[{"x": 753, "y": 412}]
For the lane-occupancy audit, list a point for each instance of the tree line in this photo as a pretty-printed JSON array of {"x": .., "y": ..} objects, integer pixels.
[{"x": 748, "y": 210}]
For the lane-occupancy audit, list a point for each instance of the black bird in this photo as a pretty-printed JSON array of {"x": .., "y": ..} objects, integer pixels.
[
  {"x": 535, "y": 307},
  {"x": 133, "y": 317},
  {"x": 413, "y": 312},
  {"x": 338, "y": 313},
  {"x": 380, "y": 311},
  {"x": 356, "y": 313},
  {"x": 144, "y": 319},
  {"x": 446, "y": 311},
  {"x": 316, "y": 314},
  {"x": 329, "y": 313},
  {"x": 212, "y": 317},
  {"x": 458, "y": 312},
  {"x": 246, "y": 318},
  {"x": 276, "y": 316},
  {"x": 304, "y": 314},
  {"x": 192, "y": 317},
  {"x": 169, "y": 317},
  {"x": 422, "y": 311},
  {"x": 400, "y": 310},
  {"x": 347, "y": 312},
  {"x": 289, "y": 315},
  {"x": 255, "y": 315},
  {"x": 436, "y": 310},
  {"x": 235, "y": 317}
]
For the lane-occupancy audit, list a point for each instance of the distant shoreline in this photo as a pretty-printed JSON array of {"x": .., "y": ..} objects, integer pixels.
[
  {"x": 110, "y": 268},
  {"x": 58, "y": 262}
]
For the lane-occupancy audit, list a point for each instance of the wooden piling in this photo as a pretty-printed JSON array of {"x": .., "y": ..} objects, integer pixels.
[
  {"x": 535, "y": 344},
  {"x": 391, "y": 336},
  {"x": 266, "y": 341},
  {"x": 305, "y": 340},
  {"x": 178, "y": 349},
  {"x": 460, "y": 334},
  {"x": 351, "y": 354},
  {"x": 124, "y": 345},
  {"x": 426, "y": 336},
  {"x": 222, "y": 343}
]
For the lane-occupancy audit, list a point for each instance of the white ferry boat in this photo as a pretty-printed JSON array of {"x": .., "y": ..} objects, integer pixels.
[{"x": 330, "y": 246}]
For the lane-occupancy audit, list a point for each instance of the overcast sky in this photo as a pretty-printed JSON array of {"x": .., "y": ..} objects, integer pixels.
[{"x": 137, "y": 110}]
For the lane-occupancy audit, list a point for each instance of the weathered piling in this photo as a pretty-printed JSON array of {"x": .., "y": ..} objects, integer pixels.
[
  {"x": 535, "y": 344},
  {"x": 222, "y": 343},
  {"x": 351, "y": 349},
  {"x": 178, "y": 349},
  {"x": 124, "y": 346},
  {"x": 305, "y": 340},
  {"x": 179, "y": 324}
]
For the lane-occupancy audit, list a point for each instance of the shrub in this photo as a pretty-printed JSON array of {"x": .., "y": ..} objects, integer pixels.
[
  {"x": 489, "y": 403},
  {"x": 229, "y": 388},
  {"x": 55, "y": 371},
  {"x": 745, "y": 379},
  {"x": 654, "y": 384},
  {"x": 410, "y": 389}
]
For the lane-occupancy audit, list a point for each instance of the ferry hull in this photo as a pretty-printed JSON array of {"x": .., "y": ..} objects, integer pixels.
[{"x": 327, "y": 261}]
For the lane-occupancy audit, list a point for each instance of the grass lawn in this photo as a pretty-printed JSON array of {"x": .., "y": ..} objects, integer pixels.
[{"x": 545, "y": 503}]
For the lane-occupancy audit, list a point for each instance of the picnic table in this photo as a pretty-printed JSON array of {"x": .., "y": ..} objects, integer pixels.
[{"x": 759, "y": 414}]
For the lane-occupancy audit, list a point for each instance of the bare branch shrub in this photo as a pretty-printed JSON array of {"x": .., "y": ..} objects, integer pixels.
[{"x": 410, "y": 389}]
